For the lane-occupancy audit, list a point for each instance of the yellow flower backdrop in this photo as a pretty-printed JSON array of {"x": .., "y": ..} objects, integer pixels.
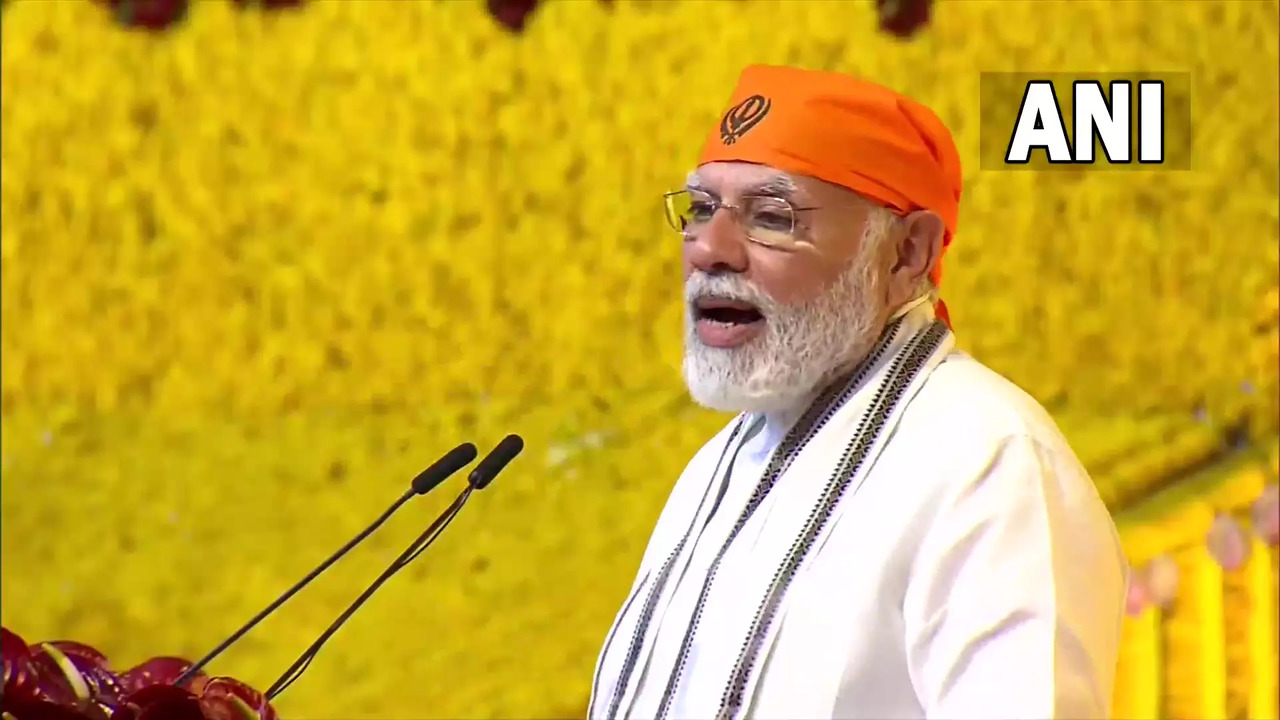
[{"x": 260, "y": 269}]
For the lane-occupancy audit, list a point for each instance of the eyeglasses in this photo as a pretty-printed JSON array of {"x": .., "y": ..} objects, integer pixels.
[{"x": 765, "y": 220}]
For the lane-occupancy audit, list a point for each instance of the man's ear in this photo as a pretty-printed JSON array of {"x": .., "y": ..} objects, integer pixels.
[{"x": 918, "y": 247}]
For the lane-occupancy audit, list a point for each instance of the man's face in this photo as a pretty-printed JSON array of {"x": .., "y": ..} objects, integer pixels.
[{"x": 766, "y": 326}]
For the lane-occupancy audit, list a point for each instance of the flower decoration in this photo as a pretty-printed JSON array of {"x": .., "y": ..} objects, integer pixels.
[
  {"x": 1138, "y": 598},
  {"x": 157, "y": 15},
  {"x": 1265, "y": 514},
  {"x": 1228, "y": 543},
  {"x": 64, "y": 680},
  {"x": 512, "y": 14},
  {"x": 1162, "y": 581},
  {"x": 269, "y": 4},
  {"x": 903, "y": 18},
  {"x": 151, "y": 15}
]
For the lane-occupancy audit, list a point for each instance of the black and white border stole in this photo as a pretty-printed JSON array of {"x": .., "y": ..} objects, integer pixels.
[
  {"x": 905, "y": 349},
  {"x": 744, "y": 428}
]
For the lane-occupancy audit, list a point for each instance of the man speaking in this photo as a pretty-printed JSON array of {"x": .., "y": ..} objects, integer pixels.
[{"x": 887, "y": 529}]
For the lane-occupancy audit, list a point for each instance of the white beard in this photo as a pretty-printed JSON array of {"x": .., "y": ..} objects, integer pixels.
[{"x": 802, "y": 347}]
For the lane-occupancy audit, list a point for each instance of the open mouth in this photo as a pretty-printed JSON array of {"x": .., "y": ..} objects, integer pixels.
[
  {"x": 724, "y": 323},
  {"x": 726, "y": 312}
]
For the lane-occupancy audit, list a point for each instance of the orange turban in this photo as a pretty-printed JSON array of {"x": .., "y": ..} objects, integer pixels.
[{"x": 846, "y": 131}]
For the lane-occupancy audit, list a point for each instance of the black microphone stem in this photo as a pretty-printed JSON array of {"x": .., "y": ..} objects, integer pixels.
[
  {"x": 200, "y": 664},
  {"x": 426, "y": 538},
  {"x": 494, "y": 463}
]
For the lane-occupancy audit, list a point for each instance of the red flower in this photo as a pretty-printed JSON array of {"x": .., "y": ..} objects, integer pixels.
[
  {"x": 21, "y": 685},
  {"x": 158, "y": 671},
  {"x": 70, "y": 681},
  {"x": 903, "y": 17},
  {"x": 149, "y": 14},
  {"x": 160, "y": 702},
  {"x": 270, "y": 4},
  {"x": 512, "y": 14},
  {"x": 71, "y": 674},
  {"x": 227, "y": 699}
]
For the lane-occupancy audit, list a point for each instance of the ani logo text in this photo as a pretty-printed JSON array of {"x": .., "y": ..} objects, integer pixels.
[{"x": 1113, "y": 122}]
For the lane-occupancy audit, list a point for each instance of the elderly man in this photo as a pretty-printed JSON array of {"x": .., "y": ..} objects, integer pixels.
[{"x": 887, "y": 529}]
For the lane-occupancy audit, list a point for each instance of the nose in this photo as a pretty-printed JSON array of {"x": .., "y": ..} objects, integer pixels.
[{"x": 718, "y": 247}]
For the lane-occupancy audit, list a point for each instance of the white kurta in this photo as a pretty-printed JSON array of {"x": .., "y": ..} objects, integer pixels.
[{"x": 972, "y": 573}]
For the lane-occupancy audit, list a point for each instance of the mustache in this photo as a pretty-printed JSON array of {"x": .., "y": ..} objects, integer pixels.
[{"x": 701, "y": 285}]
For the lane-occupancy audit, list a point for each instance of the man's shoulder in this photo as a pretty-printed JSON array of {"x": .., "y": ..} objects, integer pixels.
[
  {"x": 969, "y": 415},
  {"x": 990, "y": 444},
  {"x": 968, "y": 401}
]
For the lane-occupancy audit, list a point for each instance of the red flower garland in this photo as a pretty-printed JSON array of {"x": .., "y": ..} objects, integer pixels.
[
  {"x": 151, "y": 15},
  {"x": 156, "y": 15},
  {"x": 65, "y": 680},
  {"x": 902, "y": 18},
  {"x": 512, "y": 14}
]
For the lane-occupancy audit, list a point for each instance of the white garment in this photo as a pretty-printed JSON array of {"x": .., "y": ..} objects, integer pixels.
[
  {"x": 751, "y": 455},
  {"x": 969, "y": 571}
]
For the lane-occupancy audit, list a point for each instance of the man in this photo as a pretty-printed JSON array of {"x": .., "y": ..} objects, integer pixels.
[{"x": 887, "y": 529}]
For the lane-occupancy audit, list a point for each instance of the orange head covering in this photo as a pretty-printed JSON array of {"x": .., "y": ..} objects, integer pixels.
[{"x": 846, "y": 131}]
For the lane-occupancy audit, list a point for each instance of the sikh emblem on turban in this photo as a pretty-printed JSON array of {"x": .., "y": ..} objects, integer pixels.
[{"x": 742, "y": 117}]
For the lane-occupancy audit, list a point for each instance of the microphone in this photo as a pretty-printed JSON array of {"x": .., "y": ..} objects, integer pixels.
[
  {"x": 442, "y": 469},
  {"x": 504, "y": 452},
  {"x": 495, "y": 462},
  {"x": 426, "y": 481}
]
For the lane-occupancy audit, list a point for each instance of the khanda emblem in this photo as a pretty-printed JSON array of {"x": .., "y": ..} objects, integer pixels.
[{"x": 742, "y": 117}]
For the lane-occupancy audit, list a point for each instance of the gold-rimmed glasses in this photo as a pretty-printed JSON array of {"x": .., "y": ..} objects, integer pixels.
[{"x": 764, "y": 219}]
